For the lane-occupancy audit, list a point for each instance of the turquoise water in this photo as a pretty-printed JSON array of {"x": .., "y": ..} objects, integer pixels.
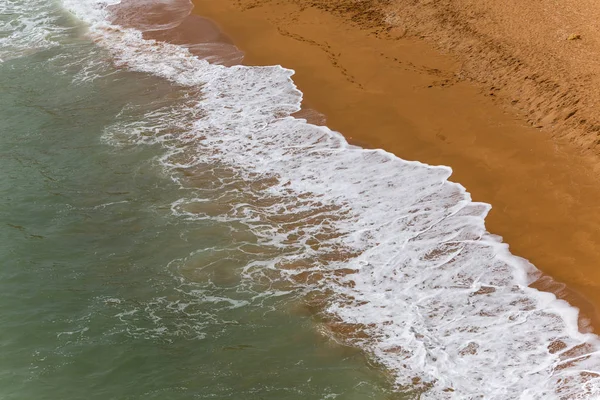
[{"x": 104, "y": 293}]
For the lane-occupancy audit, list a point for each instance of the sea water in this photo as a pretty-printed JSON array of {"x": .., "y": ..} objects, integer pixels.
[
  {"x": 169, "y": 230},
  {"x": 104, "y": 292}
]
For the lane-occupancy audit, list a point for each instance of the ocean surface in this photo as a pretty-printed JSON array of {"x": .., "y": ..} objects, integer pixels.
[{"x": 170, "y": 231}]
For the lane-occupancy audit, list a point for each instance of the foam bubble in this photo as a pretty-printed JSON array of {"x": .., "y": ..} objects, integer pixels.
[
  {"x": 27, "y": 27},
  {"x": 402, "y": 252}
]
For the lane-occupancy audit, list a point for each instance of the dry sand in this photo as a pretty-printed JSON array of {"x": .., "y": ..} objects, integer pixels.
[
  {"x": 382, "y": 88},
  {"x": 541, "y": 57}
]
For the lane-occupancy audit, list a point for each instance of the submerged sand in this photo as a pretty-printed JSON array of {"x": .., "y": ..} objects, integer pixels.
[{"x": 383, "y": 89}]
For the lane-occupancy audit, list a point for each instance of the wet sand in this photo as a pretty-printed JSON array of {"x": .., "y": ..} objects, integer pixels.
[{"x": 385, "y": 91}]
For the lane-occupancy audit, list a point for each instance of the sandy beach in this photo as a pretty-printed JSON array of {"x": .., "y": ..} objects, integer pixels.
[{"x": 381, "y": 86}]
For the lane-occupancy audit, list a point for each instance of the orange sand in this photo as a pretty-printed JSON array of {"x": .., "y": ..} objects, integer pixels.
[{"x": 403, "y": 96}]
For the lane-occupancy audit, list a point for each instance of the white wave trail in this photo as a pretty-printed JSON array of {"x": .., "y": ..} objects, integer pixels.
[
  {"x": 446, "y": 307},
  {"x": 27, "y": 27}
]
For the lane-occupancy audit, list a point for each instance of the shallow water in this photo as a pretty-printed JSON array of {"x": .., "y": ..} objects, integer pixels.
[
  {"x": 104, "y": 293},
  {"x": 172, "y": 232}
]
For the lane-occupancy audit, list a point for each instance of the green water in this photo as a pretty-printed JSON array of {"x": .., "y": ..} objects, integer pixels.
[{"x": 104, "y": 293}]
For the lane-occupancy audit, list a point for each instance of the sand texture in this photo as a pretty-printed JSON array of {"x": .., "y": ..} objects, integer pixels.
[{"x": 541, "y": 57}]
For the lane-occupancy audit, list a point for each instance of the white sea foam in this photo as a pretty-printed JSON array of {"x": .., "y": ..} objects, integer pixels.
[
  {"x": 27, "y": 27},
  {"x": 446, "y": 307}
]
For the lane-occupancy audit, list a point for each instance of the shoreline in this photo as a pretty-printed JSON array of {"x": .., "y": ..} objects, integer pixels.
[{"x": 350, "y": 75}]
